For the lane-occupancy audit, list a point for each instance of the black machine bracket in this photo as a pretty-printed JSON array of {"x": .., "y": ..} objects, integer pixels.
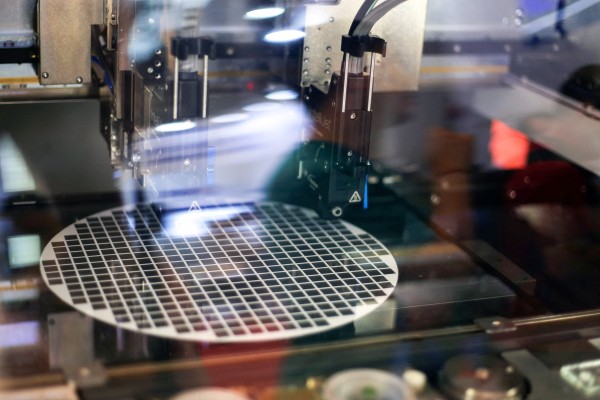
[
  {"x": 357, "y": 46},
  {"x": 187, "y": 89},
  {"x": 183, "y": 47}
]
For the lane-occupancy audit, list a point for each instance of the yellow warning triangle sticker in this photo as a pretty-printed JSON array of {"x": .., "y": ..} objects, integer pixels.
[{"x": 355, "y": 198}]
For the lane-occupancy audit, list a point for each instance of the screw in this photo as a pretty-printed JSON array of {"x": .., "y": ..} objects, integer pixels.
[
  {"x": 157, "y": 76},
  {"x": 79, "y": 79},
  {"x": 353, "y": 116},
  {"x": 158, "y": 64},
  {"x": 158, "y": 52},
  {"x": 187, "y": 162},
  {"x": 45, "y": 75},
  {"x": 150, "y": 70},
  {"x": 350, "y": 153}
]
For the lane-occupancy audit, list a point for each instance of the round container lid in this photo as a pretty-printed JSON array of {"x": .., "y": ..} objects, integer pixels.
[
  {"x": 477, "y": 377},
  {"x": 210, "y": 394},
  {"x": 366, "y": 384}
]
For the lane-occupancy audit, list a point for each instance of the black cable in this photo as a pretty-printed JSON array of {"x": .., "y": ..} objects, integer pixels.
[{"x": 360, "y": 15}]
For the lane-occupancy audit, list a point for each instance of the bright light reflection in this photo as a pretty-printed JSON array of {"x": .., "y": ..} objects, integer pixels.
[
  {"x": 186, "y": 224},
  {"x": 19, "y": 334},
  {"x": 284, "y": 36},
  {"x": 262, "y": 107},
  {"x": 176, "y": 126},
  {"x": 229, "y": 118},
  {"x": 264, "y": 13},
  {"x": 24, "y": 250},
  {"x": 282, "y": 95},
  {"x": 195, "y": 223},
  {"x": 15, "y": 174}
]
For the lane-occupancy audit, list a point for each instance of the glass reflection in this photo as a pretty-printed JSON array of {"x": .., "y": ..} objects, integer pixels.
[
  {"x": 14, "y": 172},
  {"x": 232, "y": 156},
  {"x": 19, "y": 334},
  {"x": 24, "y": 250}
]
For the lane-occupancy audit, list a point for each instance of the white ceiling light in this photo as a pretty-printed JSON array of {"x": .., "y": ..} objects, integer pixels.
[
  {"x": 284, "y": 36},
  {"x": 264, "y": 13}
]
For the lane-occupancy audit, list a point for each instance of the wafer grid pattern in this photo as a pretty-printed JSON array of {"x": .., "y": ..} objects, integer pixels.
[{"x": 248, "y": 272}]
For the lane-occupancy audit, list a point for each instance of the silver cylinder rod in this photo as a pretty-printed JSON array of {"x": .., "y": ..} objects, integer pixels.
[
  {"x": 345, "y": 92},
  {"x": 176, "y": 90},
  {"x": 205, "y": 88},
  {"x": 371, "y": 82}
]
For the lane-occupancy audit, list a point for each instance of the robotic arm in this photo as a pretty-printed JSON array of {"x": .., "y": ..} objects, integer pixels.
[{"x": 334, "y": 159}]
